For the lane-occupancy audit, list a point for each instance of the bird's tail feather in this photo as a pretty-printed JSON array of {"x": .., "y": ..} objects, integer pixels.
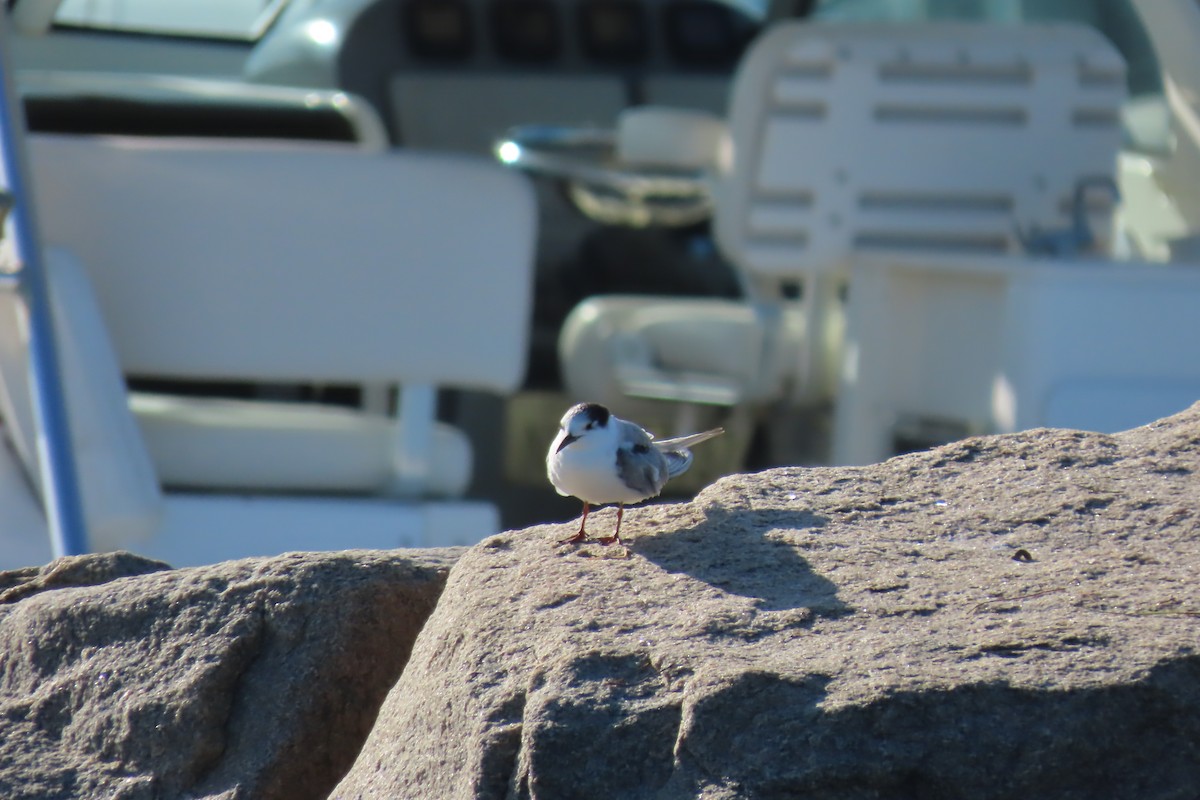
[
  {"x": 679, "y": 457},
  {"x": 683, "y": 442}
]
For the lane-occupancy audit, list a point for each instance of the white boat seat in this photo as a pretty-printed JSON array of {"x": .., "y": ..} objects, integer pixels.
[
  {"x": 936, "y": 136},
  {"x": 868, "y": 138},
  {"x": 249, "y": 445},
  {"x": 284, "y": 263},
  {"x": 119, "y": 489}
]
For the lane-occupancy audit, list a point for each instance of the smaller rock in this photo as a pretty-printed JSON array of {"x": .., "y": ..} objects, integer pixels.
[
  {"x": 86, "y": 570},
  {"x": 122, "y": 678}
]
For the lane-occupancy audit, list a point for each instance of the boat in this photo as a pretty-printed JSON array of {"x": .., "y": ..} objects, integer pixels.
[{"x": 323, "y": 275}]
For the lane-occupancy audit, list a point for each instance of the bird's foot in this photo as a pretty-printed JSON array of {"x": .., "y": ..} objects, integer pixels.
[
  {"x": 581, "y": 536},
  {"x": 576, "y": 539},
  {"x": 616, "y": 537}
]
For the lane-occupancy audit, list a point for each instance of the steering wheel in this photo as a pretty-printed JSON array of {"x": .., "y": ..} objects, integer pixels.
[{"x": 600, "y": 185}]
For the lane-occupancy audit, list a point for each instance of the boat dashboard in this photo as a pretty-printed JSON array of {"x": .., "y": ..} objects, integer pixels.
[{"x": 455, "y": 75}]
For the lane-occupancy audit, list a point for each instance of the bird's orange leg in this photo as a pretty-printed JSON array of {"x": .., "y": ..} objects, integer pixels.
[
  {"x": 616, "y": 537},
  {"x": 581, "y": 536}
]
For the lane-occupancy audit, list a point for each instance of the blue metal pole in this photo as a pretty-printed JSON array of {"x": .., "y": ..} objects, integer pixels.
[{"x": 60, "y": 486}]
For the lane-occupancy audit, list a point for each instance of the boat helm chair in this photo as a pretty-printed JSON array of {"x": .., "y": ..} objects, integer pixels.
[
  {"x": 180, "y": 259},
  {"x": 850, "y": 139}
]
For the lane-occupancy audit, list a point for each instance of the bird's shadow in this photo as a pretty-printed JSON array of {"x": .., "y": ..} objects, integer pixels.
[{"x": 729, "y": 550}]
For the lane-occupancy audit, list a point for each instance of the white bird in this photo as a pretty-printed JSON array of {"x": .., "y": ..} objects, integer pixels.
[{"x": 601, "y": 458}]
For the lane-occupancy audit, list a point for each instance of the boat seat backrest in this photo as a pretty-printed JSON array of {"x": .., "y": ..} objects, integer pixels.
[
  {"x": 297, "y": 263},
  {"x": 945, "y": 137}
]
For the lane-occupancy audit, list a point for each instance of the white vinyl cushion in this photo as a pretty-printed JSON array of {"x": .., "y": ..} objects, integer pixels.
[
  {"x": 691, "y": 349},
  {"x": 122, "y": 503},
  {"x": 297, "y": 263},
  {"x": 657, "y": 136},
  {"x": 254, "y": 446}
]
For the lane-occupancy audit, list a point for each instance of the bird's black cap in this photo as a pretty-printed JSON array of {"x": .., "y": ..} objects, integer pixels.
[{"x": 595, "y": 412}]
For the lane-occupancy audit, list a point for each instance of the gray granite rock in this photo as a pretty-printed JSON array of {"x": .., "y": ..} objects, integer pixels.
[
  {"x": 122, "y": 678},
  {"x": 1004, "y": 617}
]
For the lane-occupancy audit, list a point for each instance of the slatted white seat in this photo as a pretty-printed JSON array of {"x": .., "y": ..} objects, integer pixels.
[
  {"x": 927, "y": 137},
  {"x": 303, "y": 264},
  {"x": 850, "y": 139}
]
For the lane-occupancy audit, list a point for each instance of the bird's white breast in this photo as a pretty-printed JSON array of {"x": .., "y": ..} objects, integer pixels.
[{"x": 587, "y": 469}]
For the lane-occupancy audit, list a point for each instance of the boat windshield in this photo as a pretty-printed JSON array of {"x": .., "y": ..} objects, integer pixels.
[{"x": 236, "y": 20}]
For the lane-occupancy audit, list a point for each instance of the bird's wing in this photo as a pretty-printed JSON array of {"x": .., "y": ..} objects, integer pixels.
[
  {"x": 640, "y": 465},
  {"x": 642, "y": 468},
  {"x": 678, "y": 462}
]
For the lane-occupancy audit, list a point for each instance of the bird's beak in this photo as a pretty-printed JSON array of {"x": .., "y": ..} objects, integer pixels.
[{"x": 566, "y": 440}]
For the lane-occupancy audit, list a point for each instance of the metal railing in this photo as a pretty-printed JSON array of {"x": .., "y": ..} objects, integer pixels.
[{"x": 61, "y": 496}]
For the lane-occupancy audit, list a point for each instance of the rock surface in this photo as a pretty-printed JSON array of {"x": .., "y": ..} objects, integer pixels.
[
  {"x": 1005, "y": 617},
  {"x": 122, "y": 678}
]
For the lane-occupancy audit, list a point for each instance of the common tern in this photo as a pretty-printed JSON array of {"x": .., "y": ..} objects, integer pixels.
[{"x": 600, "y": 459}]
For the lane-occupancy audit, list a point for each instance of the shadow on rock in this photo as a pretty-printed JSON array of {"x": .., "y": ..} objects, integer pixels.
[
  {"x": 770, "y": 736},
  {"x": 729, "y": 550}
]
